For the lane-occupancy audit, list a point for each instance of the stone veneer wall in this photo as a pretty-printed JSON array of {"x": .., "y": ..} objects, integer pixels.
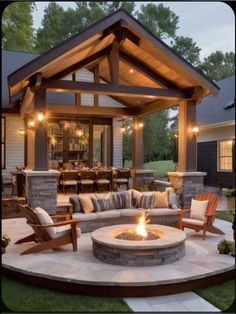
[
  {"x": 41, "y": 189},
  {"x": 187, "y": 185}
]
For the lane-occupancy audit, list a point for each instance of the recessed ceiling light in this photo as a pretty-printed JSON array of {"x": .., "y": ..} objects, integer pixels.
[{"x": 131, "y": 71}]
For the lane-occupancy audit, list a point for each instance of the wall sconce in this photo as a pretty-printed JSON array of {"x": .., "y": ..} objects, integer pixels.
[
  {"x": 21, "y": 132},
  {"x": 140, "y": 125},
  {"x": 31, "y": 124},
  {"x": 40, "y": 116},
  {"x": 195, "y": 130},
  {"x": 176, "y": 135}
]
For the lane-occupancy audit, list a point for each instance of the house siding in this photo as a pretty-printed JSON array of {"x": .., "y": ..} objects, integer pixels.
[
  {"x": 216, "y": 133},
  {"x": 14, "y": 144}
]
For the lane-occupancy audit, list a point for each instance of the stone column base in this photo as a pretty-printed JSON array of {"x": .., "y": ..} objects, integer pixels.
[
  {"x": 142, "y": 179},
  {"x": 41, "y": 189},
  {"x": 186, "y": 185}
]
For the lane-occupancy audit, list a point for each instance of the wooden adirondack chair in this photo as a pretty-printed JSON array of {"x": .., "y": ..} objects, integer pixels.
[
  {"x": 207, "y": 224},
  {"x": 41, "y": 235}
]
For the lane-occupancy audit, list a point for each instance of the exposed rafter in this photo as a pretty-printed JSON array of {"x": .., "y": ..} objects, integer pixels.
[
  {"x": 144, "y": 69},
  {"x": 113, "y": 62},
  {"x": 111, "y": 89}
]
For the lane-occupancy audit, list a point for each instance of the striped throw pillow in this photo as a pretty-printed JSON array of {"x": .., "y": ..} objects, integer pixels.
[
  {"x": 146, "y": 201},
  {"x": 101, "y": 204},
  {"x": 122, "y": 200}
]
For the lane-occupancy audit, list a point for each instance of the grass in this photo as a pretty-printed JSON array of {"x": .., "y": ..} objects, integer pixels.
[
  {"x": 222, "y": 295},
  {"x": 160, "y": 167},
  {"x": 20, "y": 297},
  {"x": 226, "y": 215}
]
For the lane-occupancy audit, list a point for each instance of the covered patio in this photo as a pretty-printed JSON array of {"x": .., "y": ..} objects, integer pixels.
[{"x": 141, "y": 75}]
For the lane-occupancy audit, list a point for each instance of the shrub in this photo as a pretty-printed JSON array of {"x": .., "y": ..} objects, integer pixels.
[{"x": 226, "y": 246}]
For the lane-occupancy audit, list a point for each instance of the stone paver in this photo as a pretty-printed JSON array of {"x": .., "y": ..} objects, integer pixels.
[{"x": 182, "y": 302}]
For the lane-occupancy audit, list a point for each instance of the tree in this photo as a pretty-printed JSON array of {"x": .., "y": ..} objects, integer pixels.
[
  {"x": 218, "y": 65},
  {"x": 17, "y": 26},
  {"x": 53, "y": 29},
  {"x": 159, "y": 20},
  {"x": 187, "y": 48},
  {"x": 110, "y": 7}
]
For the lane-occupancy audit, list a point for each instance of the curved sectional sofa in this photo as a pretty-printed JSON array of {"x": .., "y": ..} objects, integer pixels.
[{"x": 90, "y": 221}]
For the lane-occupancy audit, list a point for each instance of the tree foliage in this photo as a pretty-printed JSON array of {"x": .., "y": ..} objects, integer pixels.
[
  {"x": 218, "y": 65},
  {"x": 188, "y": 49},
  {"x": 17, "y": 26},
  {"x": 158, "y": 19}
]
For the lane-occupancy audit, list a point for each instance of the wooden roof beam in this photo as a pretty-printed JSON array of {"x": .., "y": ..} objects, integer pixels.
[
  {"x": 113, "y": 62},
  {"x": 111, "y": 89},
  {"x": 144, "y": 69},
  {"x": 82, "y": 63}
]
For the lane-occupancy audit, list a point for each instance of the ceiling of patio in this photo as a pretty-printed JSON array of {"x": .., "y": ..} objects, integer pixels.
[{"x": 144, "y": 61}]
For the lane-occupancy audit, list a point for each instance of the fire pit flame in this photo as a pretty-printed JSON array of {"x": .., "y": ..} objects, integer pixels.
[{"x": 141, "y": 227}]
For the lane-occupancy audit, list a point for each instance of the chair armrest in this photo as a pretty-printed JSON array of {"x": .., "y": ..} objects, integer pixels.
[
  {"x": 57, "y": 224},
  {"x": 182, "y": 211},
  {"x": 62, "y": 215}
]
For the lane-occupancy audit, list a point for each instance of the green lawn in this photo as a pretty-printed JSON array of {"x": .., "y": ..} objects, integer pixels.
[
  {"x": 226, "y": 215},
  {"x": 222, "y": 295},
  {"x": 21, "y": 297},
  {"x": 160, "y": 167}
]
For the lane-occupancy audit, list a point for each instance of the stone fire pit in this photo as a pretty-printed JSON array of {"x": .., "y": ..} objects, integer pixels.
[{"x": 168, "y": 248}]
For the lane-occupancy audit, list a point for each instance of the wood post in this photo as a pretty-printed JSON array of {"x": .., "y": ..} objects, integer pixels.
[
  {"x": 137, "y": 151},
  {"x": 41, "y": 149},
  {"x": 187, "y": 147}
]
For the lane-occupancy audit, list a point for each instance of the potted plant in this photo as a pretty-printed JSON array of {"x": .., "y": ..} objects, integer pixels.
[
  {"x": 5, "y": 241},
  {"x": 226, "y": 246}
]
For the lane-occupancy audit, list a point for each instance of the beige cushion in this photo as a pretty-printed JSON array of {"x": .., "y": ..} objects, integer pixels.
[
  {"x": 87, "y": 181},
  {"x": 130, "y": 212},
  {"x": 86, "y": 204},
  {"x": 64, "y": 230},
  {"x": 113, "y": 213},
  {"x": 198, "y": 209},
  {"x": 45, "y": 219},
  {"x": 193, "y": 221},
  {"x": 163, "y": 212},
  {"x": 68, "y": 182},
  {"x": 120, "y": 180},
  {"x": 103, "y": 181},
  {"x": 84, "y": 217},
  {"x": 160, "y": 200}
]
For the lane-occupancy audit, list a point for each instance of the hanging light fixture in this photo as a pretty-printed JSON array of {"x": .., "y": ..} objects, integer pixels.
[
  {"x": 31, "y": 124},
  {"x": 195, "y": 130},
  {"x": 40, "y": 117}
]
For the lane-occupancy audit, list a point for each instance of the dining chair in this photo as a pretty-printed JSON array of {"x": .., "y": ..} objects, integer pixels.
[
  {"x": 122, "y": 177},
  {"x": 103, "y": 178},
  {"x": 87, "y": 180},
  {"x": 69, "y": 178}
]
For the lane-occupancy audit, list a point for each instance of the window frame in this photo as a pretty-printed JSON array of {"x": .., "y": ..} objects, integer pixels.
[
  {"x": 219, "y": 156},
  {"x": 3, "y": 143}
]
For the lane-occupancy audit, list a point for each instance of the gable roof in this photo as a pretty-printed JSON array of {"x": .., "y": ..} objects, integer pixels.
[
  {"x": 212, "y": 109},
  {"x": 139, "y": 47}
]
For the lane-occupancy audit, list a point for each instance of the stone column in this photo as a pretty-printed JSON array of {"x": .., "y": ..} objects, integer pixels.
[
  {"x": 187, "y": 185},
  {"x": 41, "y": 189}
]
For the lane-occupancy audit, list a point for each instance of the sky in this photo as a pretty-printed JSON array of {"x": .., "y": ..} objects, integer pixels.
[{"x": 210, "y": 24}]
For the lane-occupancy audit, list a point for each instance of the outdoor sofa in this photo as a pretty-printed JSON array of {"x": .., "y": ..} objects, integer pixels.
[{"x": 95, "y": 210}]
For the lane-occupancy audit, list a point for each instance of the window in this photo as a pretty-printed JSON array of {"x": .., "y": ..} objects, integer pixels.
[
  {"x": 226, "y": 155},
  {"x": 3, "y": 142}
]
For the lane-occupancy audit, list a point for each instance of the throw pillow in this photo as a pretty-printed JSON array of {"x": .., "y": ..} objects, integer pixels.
[
  {"x": 173, "y": 200},
  {"x": 45, "y": 219},
  {"x": 121, "y": 199},
  {"x": 146, "y": 201},
  {"x": 74, "y": 200},
  {"x": 86, "y": 204},
  {"x": 135, "y": 197},
  {"x": 160, "y": 200},
  {"x": 101, "y": 204},
  {"x": 198, "y": 209}
]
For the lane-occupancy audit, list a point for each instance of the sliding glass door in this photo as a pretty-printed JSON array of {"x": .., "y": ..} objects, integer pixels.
[{"x": 102, "y": 145}]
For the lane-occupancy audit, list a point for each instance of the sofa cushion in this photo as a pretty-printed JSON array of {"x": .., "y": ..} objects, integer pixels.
[
  {"x": 74, "y": 200},
  {"x": 121, "y": 199},
  {"x": 130, "y": 212},
  {"x": 160, "y": 200},
  {"x": 85, "y": 217},
  {"x": 109, "y": 214},
  {"x": 198, "y": 209},
  {"x": 163, "y": 212},
  {"x": 45, "y": 219},
  {"x": 135, "y": 197},
  {"x": 86, "y": 204},
  {"x": 146, "y": 201}
]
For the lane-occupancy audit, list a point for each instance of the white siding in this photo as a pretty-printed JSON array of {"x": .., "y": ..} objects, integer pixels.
[
  {"x": 14, "y": 144},
  {"x": 117, "y": 144},
  {"x": 216, "y": 133}
]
